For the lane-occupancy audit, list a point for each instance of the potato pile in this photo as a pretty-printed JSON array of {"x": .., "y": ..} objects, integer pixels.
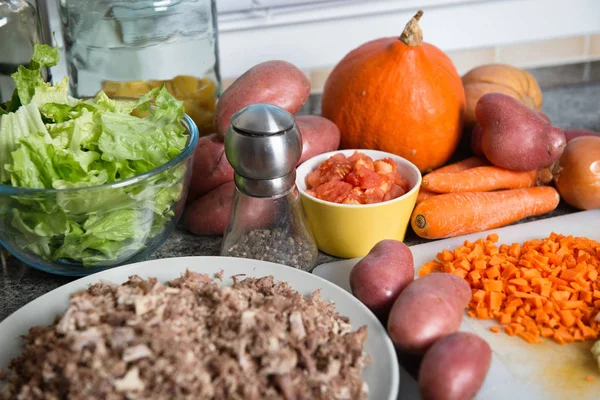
[
  {"x": 212, "y": 187},
  {"x": 423, "y": 317}
]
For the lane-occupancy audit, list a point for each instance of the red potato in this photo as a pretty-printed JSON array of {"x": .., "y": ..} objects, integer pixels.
[
  {"x": 273, "y": 82},
  {"x": 428, "y": 309},
  {"x": 476, "y": 140},
  {"x": 211, "y": 168},
  {"x": 208, "y": 214},
  {"x": 514, "y": 137},
  {"x": 571, "y": 134},
  {"x": 319, "y": 135},
  {"x": 455, "y": 367},
  {"x": 381, "y": 275},
  {"x": 477, "y": 134}
]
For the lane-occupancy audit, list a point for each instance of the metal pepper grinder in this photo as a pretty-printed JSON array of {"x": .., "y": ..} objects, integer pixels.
[{"x": 266, "y": 220}]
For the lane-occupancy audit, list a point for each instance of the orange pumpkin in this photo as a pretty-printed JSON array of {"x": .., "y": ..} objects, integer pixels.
[{"x": 399, "y": 95}]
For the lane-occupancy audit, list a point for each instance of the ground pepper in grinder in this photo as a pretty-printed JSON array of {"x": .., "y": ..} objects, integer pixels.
[{"x": 266, "y": 221}]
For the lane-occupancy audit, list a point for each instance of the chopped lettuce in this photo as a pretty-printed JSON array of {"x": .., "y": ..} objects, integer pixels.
[{"x": 50, "y": 140}]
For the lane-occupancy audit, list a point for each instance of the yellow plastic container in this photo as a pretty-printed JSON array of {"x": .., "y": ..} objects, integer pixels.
[{"x": 351, "y": 230}]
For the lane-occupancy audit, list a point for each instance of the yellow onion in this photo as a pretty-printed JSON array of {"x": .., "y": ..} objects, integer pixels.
[{"x": 578, "y": 175}]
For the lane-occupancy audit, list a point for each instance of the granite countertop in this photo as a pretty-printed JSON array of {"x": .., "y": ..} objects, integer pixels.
[{"x": 570, "y": 106}]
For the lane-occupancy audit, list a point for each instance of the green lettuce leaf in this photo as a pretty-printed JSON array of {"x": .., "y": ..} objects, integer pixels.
[
  {"x": 53, "y": 141},
  {"x": 27, "y": 80},
  {"x": 46, "y": 94},
  {"x": 14, "y": 127}
]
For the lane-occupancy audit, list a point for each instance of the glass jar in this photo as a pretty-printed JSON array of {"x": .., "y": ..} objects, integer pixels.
[
  {"x": 21, "y": 26},
  {"x": 128, "y": 47}
]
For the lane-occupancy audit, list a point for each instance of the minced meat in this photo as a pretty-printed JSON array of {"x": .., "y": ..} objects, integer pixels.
[{"x": 192, "y": 339}]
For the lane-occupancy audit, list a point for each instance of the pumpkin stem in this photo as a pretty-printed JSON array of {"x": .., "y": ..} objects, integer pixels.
[{"x": 412, "y": 34}]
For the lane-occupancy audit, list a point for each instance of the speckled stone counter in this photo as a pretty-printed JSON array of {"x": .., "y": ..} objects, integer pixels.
[{"x": 573, "y": 106}]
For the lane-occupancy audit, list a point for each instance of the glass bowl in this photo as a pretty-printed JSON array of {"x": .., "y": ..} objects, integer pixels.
[{"x": 80, "y": 231}]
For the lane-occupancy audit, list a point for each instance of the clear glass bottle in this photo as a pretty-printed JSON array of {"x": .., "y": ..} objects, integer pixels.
[
  {"x": 266, "y": 220},
  {"x": 21, "y": 26},
  {"x": 276, "y": 231},
  {"x": 128, "y": 47}
]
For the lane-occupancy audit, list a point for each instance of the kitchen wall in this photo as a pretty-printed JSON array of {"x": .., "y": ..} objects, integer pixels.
[{"x": 316, "y": 34}]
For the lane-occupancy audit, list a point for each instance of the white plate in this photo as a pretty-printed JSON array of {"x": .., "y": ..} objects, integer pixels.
[
  {"x": 519, "y": 370},
  {"x": 382, "y": 374}
]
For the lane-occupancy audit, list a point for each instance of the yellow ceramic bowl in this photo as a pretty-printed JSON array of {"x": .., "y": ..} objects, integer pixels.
[{"x": 351, "y": 230}]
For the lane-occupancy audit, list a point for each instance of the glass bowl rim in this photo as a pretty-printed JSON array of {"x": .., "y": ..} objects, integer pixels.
[{"x": 193, "y": 133}]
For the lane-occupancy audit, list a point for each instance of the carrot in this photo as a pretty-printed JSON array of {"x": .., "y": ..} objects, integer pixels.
[
  {"x": 458, "y": 166},
  {"x": 454, "y": 214},
  {"x": 480, "y": 179},
  {"x": 518, "y": 285},
  {"x": 424, "y": 194},
  {"x": 461, "y": 165}
]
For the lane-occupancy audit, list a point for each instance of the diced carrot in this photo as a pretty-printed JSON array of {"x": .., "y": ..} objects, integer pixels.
[
  {"x": 431, "y": 266},
  {"x": 561, "y": 296},
  {"x": 572, "y": 304},
  {"x": 511, "y": 289},
  {"x": 515, "y": 302},
  {"x": 492, "y": 272},
  {"x": 528, "y": 337},
  {"x": 509, "y": 272},
  {"x": 446, "y": 255},
  {"x": 463, "y": 264},
  {"x": 558, "y": 281},
  {"x": 492, "y": 237},
  {"x": 541, "y": 318},
  {"x": 495, "y": 301},
  {"x": 563, "y": 336},
  {"x": 492, "y": 286},
  {"x": 474, "y": 275},
  {"x": 518, "y": 282},
  {"x": 545, "y": 291},
  {"x": 482, "y": 313},
  {"x": 546, "y": 332},
  {"x": 479, "y": 296},
  {"x": 479, "y": 264},
  {"x": 567, "y": 318},
  {"x": 460, "y": 272},
  {"x": 515, "y": 250},
  {"x": 530, "y": 273},
  {"x": 542, "y": 288},
  {"x": 504, "y": 318}
]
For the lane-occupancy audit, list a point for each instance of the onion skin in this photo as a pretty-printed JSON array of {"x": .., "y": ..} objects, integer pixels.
[{"x": 578, "y": 176}]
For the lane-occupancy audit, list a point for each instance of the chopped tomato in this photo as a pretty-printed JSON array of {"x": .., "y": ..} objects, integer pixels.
[{"x": 356, "y": 180}]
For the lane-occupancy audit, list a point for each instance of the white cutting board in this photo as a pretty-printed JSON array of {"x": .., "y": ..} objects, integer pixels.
[{"x": 519, "y": 371}]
